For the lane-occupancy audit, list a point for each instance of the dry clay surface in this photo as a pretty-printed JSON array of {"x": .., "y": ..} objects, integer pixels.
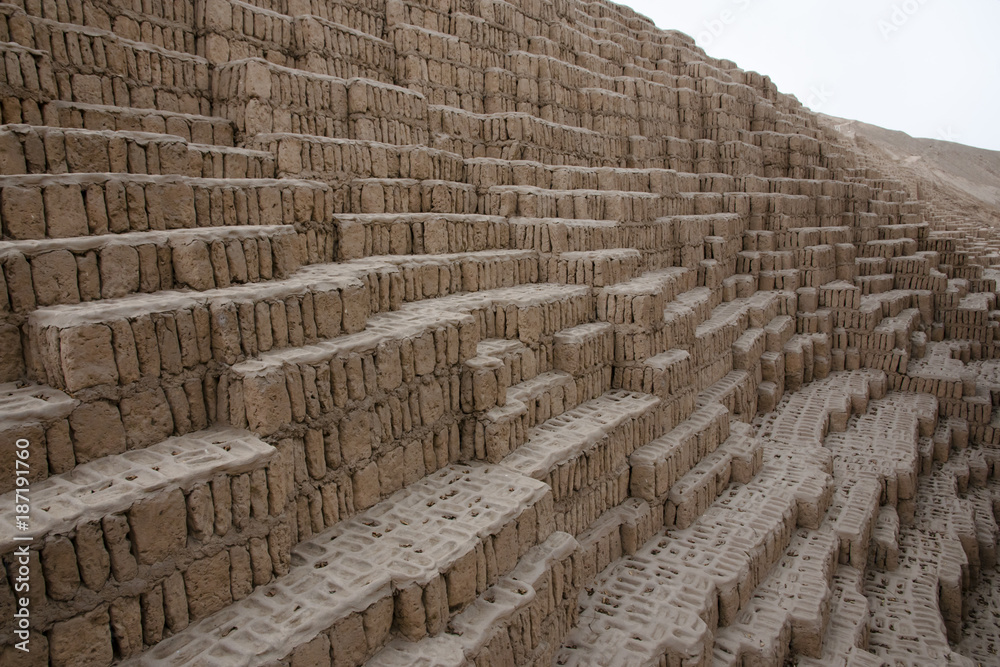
[{"x": 478, "y": 333}]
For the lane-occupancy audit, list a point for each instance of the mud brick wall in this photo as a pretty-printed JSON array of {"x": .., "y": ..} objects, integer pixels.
[{"x": 408, "y": 331}]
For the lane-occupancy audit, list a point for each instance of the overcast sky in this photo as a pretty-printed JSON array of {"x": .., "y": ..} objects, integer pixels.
[{"x": 930, "y": 68}]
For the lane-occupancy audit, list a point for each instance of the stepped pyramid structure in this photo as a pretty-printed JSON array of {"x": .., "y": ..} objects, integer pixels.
[{"x": 472, "y": 332}]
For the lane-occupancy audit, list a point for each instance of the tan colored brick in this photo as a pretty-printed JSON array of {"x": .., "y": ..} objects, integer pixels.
[
  {"x": 62, "y": 576},
  {"x": 88, "y": 358},
  {"x": 82, "y": 641},
  {"x": 158, "y": 526},
  {"x": 207, "y": 584},
  {"x": 97, "y": 431}
]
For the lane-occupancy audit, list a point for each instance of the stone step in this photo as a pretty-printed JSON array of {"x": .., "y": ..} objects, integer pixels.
[
  {"x": 986, "y": 526},
  {"x": 492, "y": 135},
  {"x": 89, "y": 268},
  {"x": 194, "y": 128},
  {"x": 172, "y": 533},
  {"x": 716, "y": 336},
  {"x": 737, "y": 390},
  {"x": 420, "y": 557},
  {"x": 420, "y": 348},
  {"x": 521, "y": 362},
  {"x": 584, "y": 349},
  {"x": 341, "y": 160},
  {"x": 262, "y": 97},
  {"x": 398, "y": 195},
  {"x": 846, "y": 640},
  {"x": 431, "y": 276},
  {"x": 506, "y": 427},
  {"x": 737, "y": 550},
  {"x": 71, "y": 205},
  {"x": 583, "y": 455},
  {"x": 487, "y": 172},
  {"x": 670, "y": 597},
  {"x": 116, "y": 70},
  {"x": 749, "y": 349},
  {"x": 806, "y": 417},
  {"x": 548, "y": 395},
  {"x": 668, "y": 373},
  {"x": 789, "y": 612},
  {"x": 150, "y": 22},
  {"x": 857, "y": 517},
  {"x": 420, "y": 233},
  {"x": 907, "y": 605},
  {"x": 458, "y": 78},
  {"x": 33, "y": 149},
  {"x": 773, "y": 245},
  {"x": 884, "y": 442},
  {"x": 658, "y": 466},
  {"x": 598, "y": 268},
  {"x": 38, "y": 414},
  {"x": 953, "y": 516},
  {"x": 27, "y": 75},
  {"x": 979, "y": 623},
  {"x": 917, "y": 231},
  {"x": 619, "y": 532},
  {"x": 788, "y": 280},
  {"x": 806, "y": 260},
  {"x": 871, "y": 266},
  {"x": 739, "y": 458},
  {"x": 532, "y": 314},
  {"x": 687, "y": 311},
  {"x": 804, "y": 480},
  {"x": 640, "y": 305},
  {"x": 642, "y": 207},
  {"x": 641, "y": 611},
  {"x": 885, "y": 539},
  {"x": 888, "y": 249},
  {"x": 307, "y": 42},
  {"x": 539, "y": 593},
  {"x": 369, "y": 18},
  {"x": 152, "y": 335},
  {"x": 778, "y": 332},
  {"x": 598, "y": 108},
  {"x": 116, "y": 482},
  {"x": 654, "y": 240}
]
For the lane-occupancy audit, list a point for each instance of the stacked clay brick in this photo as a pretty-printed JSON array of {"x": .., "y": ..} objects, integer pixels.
[{"x": 386, "y": 332}]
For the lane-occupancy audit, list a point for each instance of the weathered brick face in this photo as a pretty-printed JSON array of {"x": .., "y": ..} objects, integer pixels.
[{"x": 389, "y": 332}]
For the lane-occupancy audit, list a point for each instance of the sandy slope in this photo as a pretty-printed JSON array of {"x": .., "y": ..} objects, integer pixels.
[{"x": 967, "y": 177}]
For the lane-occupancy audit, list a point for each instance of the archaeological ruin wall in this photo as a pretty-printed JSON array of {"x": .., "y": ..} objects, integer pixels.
[{"x": 472, "y": 332}]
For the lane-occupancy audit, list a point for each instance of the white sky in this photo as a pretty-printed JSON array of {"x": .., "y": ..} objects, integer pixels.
[{"x": 930, "y": 68}]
